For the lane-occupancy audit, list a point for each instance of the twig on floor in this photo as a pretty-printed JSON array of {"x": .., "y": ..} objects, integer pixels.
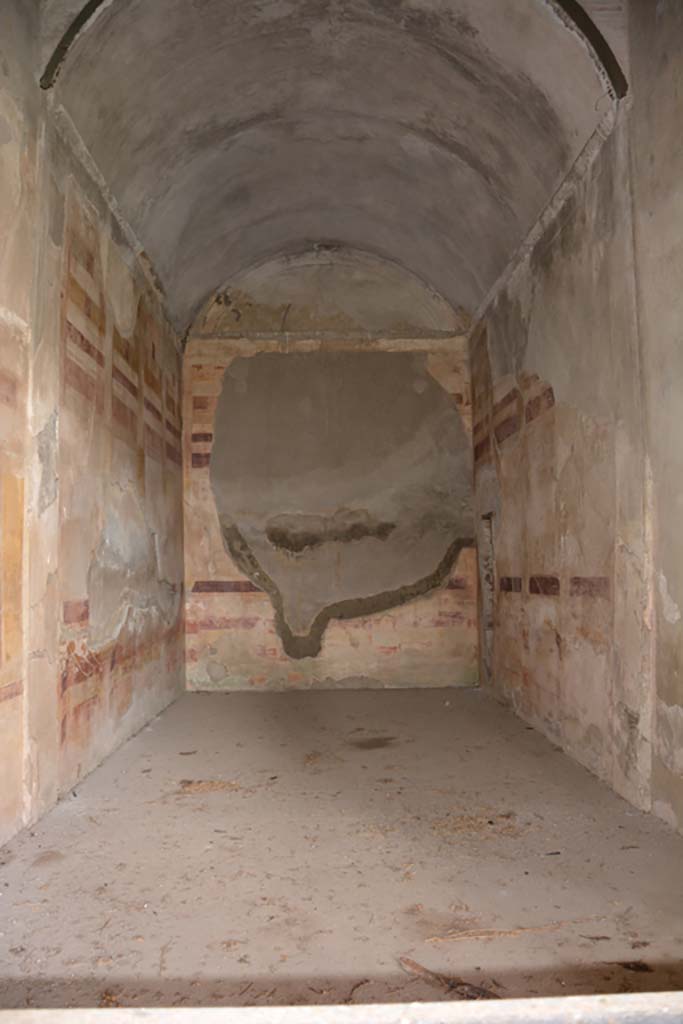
[
  {"x": 457, "y": 986},
  {"x": 503, "y": 933},
  {"x": 359, "y": 984}
]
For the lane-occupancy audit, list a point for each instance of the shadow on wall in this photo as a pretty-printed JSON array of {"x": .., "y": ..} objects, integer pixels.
[{"x": 342, "y": 483}]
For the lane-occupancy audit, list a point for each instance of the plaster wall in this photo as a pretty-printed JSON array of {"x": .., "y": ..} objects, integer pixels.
[
  {"x": 18, "y": 212},
  {"x": 657, "y": 71},
  {"x": 560, "y": 467},
  {"x": 577, "y": 411},
  {"x": 120, "y": 497},
  {"x": 90, "y": 477},
  {"x": 233, "y": 637}
]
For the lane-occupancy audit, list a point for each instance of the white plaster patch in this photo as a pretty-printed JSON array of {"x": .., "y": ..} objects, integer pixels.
[
  {"x": 125, "y": 589},
  {"x": 672, "y": 612},
  {"x": 662, "y": 809},
  {"x": 12, "y": 320},
  {"x": 670, "y": 736}
]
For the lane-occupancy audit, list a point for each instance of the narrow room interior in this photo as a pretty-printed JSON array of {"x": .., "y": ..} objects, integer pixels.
[{"x": 341, "y": 657}]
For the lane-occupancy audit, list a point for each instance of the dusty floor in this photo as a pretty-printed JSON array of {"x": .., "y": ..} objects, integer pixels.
[{"x": 270, "y": 848}]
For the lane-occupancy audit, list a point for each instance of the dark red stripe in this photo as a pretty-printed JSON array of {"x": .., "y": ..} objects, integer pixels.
[
  {"x": 507, "y": 428},
  {"x": 8, "y": 388},
  {"x": 482, "y": 449},
  {"x": 80, "y": 340},
  {"x": 79, "y": 379},
  {"x": 225, "y": 587},
  {"x": 539, "y": 404},
  {"x": 11, "y": 690},
  {"x": 124, "y": 381},
  {"x": 220, "y": 622},
  {"x": 547, "y": 585},
  {"x": 511, "y": 396},
  {"x": 75, "y": 612},
  {"x": 173, "y": 454},
  {"x": 589, "y": 586},
  {"x": 153, "y": 409}
]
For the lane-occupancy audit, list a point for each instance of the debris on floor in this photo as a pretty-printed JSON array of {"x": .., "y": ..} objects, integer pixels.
[
  {"x": 456, "y": 986},
  {"x": 288, "y": 867}
]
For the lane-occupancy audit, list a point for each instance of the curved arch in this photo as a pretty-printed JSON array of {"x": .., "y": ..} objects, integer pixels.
[
  {"x": 328, "y": 289},
  {"x": 430, "y": 132},
  {"x": 572, "y": 9},
  {"x": 581, "y": 19},
  {"x": 66, "y": 41}
]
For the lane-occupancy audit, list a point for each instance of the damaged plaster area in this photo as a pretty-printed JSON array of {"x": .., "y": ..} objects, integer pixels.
[
  {"x": 342, "y": 483},
  {"x": 330, "y": 290},
  {"x": 128, "y": 596}
]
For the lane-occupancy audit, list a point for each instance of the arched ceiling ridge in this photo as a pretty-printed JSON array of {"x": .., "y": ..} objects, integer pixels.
[
  {"x": 79, "y": 16},
  {"x": 432, "y": 131},
  {"x": 336, "y": 288}
]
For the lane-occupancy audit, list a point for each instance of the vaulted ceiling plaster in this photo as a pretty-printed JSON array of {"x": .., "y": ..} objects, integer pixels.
[{"x": 428, "y": 132}]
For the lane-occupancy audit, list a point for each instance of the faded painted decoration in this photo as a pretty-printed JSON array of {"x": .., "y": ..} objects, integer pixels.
[
  {"x": 120, "y": 484},
  {"x": 328, "y": 514},
  {"x": 18, "y": 205},
  {"x": 13, "y": 394},
  {"x": 560, "y": 471}
]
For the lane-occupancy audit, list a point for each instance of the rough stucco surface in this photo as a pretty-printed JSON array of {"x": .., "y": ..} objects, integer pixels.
[
  {"x": 329, "y": 290},
  {"x": 344, "y": 503},
  {"x": 90, "y": 467},
  {"x": 120, "y": 495},
  {"x": 656, "y": 47},
  {"x": 560, "y": 463},
  {"x": 18, "y": 206},
  {"x": 224, "y": 129}
]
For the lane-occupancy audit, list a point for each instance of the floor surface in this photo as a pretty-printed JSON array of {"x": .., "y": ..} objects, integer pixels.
[{"x": 338, "y": 847}]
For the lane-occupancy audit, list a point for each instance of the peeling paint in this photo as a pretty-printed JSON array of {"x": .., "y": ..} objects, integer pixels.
[
  {"x": 670, "y": 609},
  {"x": 670, "y": 736},
  {"x": 47, "y": 456}
]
